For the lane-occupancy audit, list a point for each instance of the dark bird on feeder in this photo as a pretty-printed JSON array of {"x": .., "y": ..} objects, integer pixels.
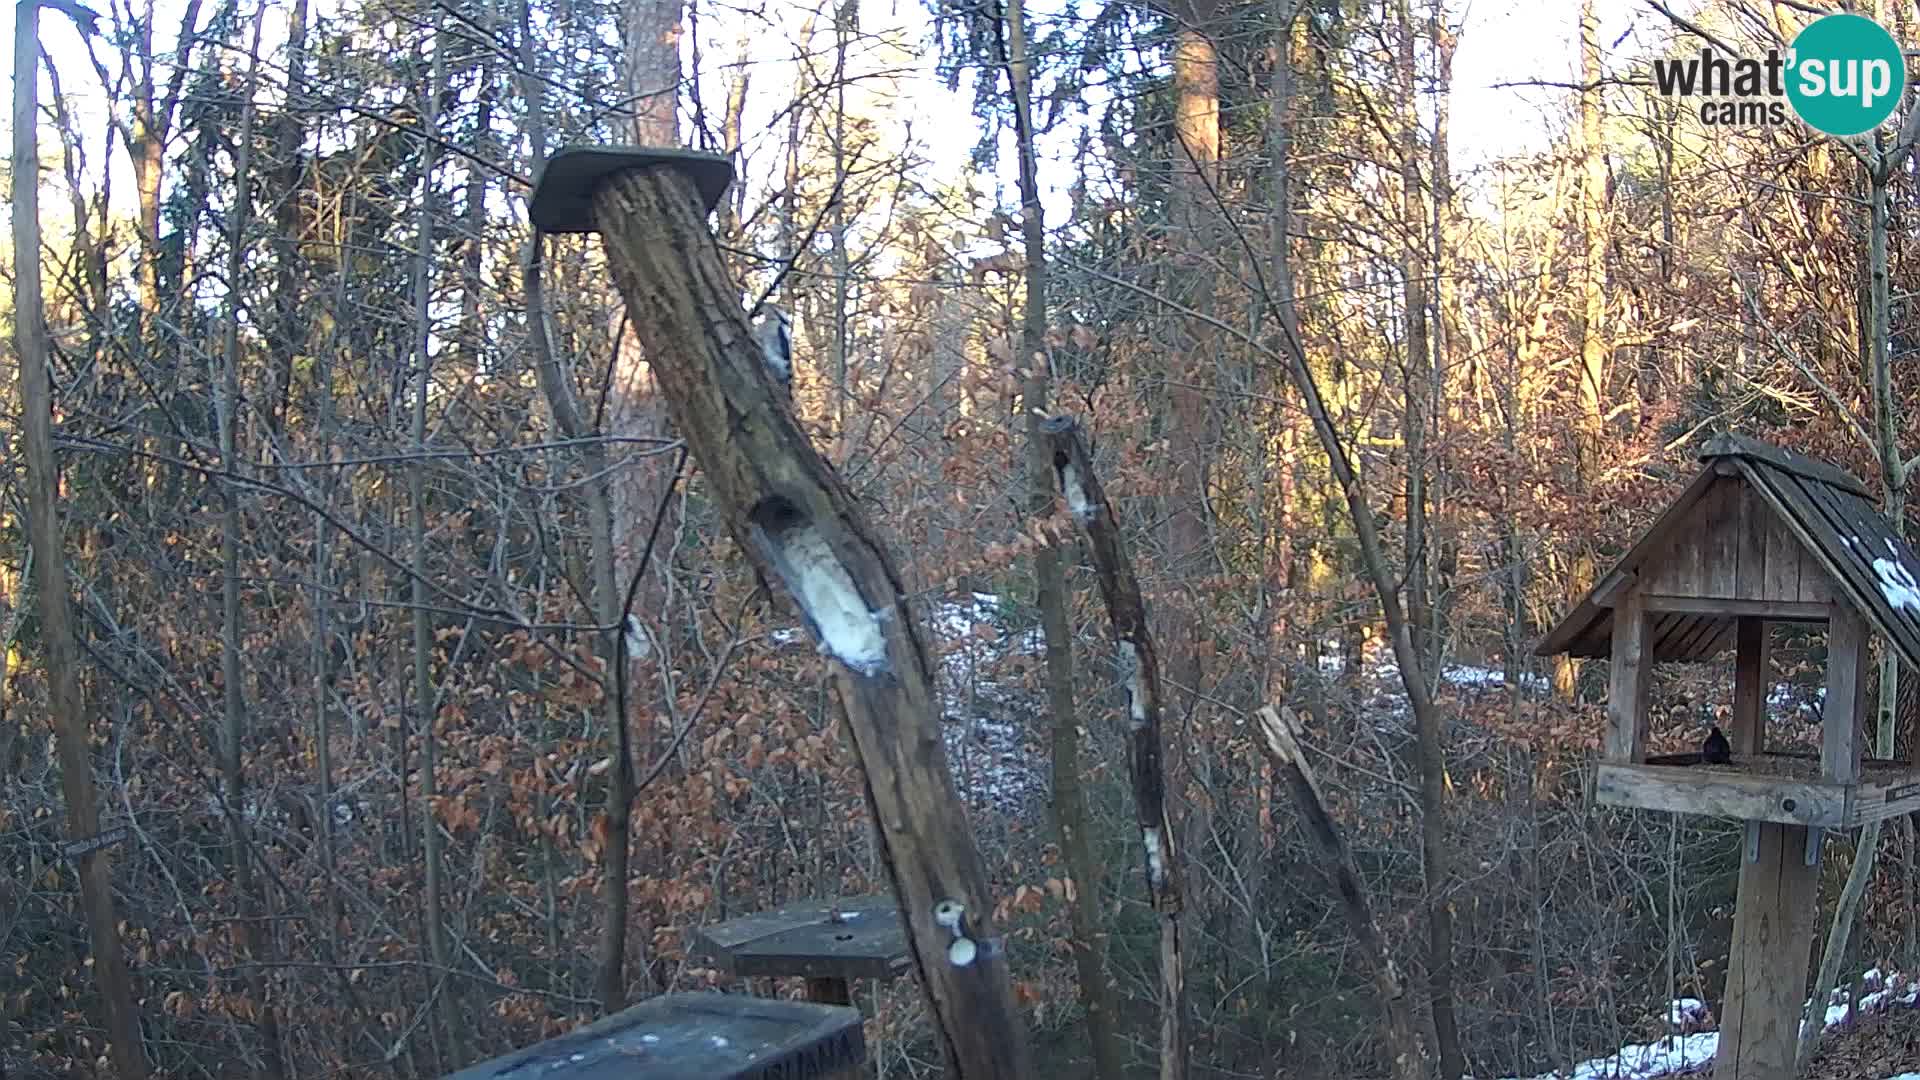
[{"x": 1716, "y": 750}]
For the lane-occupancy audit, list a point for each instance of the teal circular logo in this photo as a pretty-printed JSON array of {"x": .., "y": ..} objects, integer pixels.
[{"x": 1846, "y": 75}]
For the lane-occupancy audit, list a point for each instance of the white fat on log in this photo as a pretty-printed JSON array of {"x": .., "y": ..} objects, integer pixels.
[
  {"x": 839, "y": 617},
  {"x": 1076, "y": 492},
  {"x": 1130, "y": 670},
  {"x": 1156, "y": 867}
]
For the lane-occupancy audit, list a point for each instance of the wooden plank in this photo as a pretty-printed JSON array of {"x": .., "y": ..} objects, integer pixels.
[
  {"x": 1718, "y": 538},
  {"x": 1667, "y": 632},
  {"x": 1888, "y": 798},
  {"x": 1871, "y": 540},
  {"x": 1767, "y": 960},
  {"x": 1846, "y": 537},
  {"x": 1775, "y": 610},
  {"x": 711, "y": 1036},
  {"x": 723, "y": 937},
  {"x": 1681, "y": 570},
  {"x": 1783, "y": 556},
  {"x": 1754, "y": 518},
  {"x": 1695, "y": 642},
  {"x": 1855, "y": 535},
  {"x": 1720, "y": 792},
  {"x": 1580, "y": 620},
  {"x": 1721, "y": 641},
  {"x": 1752, "y": 675},
  {"x": 1816, "y": 585},
  {"x": 1628, "y": 680},
  {"x": 1610, "y": 587},
  {"x": 1841, "y": 718}
]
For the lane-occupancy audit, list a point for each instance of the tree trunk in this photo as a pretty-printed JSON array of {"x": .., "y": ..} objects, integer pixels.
[
  {"x": 69, "y": 720},
  {"x": 1069, "y": 800},
  {"x": 557, "y": 388},
  {"x": 845, "y": 14},
  {"x": 1140, "y": 672},
  {"x": 1589, "y": 443},
  {"x": 252, "y": 947},
  {"x": 1281, "y": 731},
  {"x": 1426, "y": 714},
  {"x": 1190, "y": 369},
  {"x": 1419, "y": 403},
  {"x": 633, "y": 408},
  {"x": 1418, "y": 361},
  {"x": 424, "y": 703},
  {"x": 796, "y": 519},
  {"x": 1893, "y": 499}
]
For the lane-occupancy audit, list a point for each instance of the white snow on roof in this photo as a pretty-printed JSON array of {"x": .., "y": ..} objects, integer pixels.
[{"x": 1897, "y": 584}]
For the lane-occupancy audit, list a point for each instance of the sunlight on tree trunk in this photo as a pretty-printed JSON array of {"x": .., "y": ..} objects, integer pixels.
[{"x": 70, "y": 722}]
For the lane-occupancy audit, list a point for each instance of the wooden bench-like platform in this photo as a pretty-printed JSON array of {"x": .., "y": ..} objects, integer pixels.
[
  {"x": 695, "y": 1037},
  {"x": 1780, "y": 787},
  {"x": 855, "y": 938}
]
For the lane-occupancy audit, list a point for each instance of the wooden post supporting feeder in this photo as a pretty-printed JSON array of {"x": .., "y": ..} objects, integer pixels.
[
  {"x": 796, "y": 520},
  {"x": 828, "y": 944},
  {"x": 1761, "y": 535}
]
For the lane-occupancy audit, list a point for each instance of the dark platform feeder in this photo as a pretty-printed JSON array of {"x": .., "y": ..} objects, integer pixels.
[
  {"x": 697, "y": 1037},
  {"x": 563, "y": 192},
  {"x": 828, "y": 944},
  {"x": 1761, "y": 535}
]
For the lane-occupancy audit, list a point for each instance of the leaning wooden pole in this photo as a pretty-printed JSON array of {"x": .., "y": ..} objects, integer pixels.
[
  {"x": 1279, "y": 731},
  {"x": 797, "y": 521},
  {"x": 1140, "y": 674}
]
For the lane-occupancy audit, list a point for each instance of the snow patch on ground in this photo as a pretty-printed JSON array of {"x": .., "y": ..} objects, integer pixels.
[
  {"x": 1683, "y": 1011},
  {"x": 1681, "y": 1053},
  {"x": 985, "y": 717},
  {"x": 1803, "y": 703},
  {"x": 986, "y": 721},
  {"x": 1488, "y": 678},
  {"x": 1643, "y": 1061}
]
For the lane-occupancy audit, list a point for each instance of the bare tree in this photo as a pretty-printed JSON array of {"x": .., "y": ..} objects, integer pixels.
[
  {"x": 1049, "y": 576},
  {"x": 70, "y": 721}
]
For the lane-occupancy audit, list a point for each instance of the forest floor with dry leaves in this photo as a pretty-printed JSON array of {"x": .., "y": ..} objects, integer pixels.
[{"x": 1881, "y": 1045}]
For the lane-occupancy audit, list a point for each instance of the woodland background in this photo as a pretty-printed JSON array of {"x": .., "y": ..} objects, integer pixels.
[{"x": 341, "y": 562}]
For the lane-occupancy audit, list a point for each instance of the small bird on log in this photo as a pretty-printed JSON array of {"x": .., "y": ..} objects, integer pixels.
[
  {"x": 1716, "y": 750},
  {"x": 776, "y": 346}
]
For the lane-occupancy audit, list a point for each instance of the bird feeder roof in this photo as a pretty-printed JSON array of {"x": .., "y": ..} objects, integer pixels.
[{"x": 1831, "y": 519}]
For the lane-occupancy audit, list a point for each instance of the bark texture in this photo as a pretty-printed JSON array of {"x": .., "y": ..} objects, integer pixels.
[{"x": 802, "y": 527}]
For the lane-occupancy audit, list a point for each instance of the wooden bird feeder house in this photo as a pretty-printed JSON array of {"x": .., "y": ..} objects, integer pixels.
[{"x": 1760, "y": 536}]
